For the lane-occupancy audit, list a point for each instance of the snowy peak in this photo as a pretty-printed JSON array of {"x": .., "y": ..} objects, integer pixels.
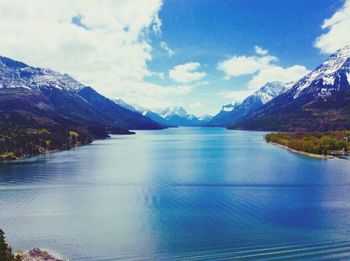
[
  {"x": 269, "y": 91},
  {"x": 205, "y": 117},
  {"x": 265, "y": 94},
  {"x": 318, "y": 101},
  {"x": 126, "y": 105},
  {"x": 328, "y": 77},
  {"x": 176, "y": 110},
  {"x": 233, "y": 112},
  {"x": 16, "y": 74},
  {"x": 178, "y": 116},
  {"x": 335, "y": 61}
]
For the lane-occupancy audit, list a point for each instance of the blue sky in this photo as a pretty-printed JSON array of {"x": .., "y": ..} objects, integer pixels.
[
  {"x": 209, "y": 31},
  {"x": 199, "y": 54}
]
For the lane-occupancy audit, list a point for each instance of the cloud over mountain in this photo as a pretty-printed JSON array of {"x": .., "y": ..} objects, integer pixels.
[
  {"x": 109, "y": 51},
  {"x": 262, "y": 68},
  {"x": 186, "y": 73}
]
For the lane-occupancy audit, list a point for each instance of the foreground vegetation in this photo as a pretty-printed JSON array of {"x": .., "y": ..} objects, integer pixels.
[
  {"x": 17, "y": 142},
  {"x": 6, "y": 250},
  {"x": 322, "y": 143}
]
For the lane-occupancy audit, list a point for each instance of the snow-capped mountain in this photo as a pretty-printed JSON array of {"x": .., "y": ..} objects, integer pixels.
[
  {"x": 269, "y": 91},
  {"x": 157, "y": 118},
  {"x": 38, "y": 97},
  {"x": 126, "y": 105},
  {"x": 318, "y": 101},
  {"x": 205, "y": 118},
  {"x": 176, "y": 110},
  {"x": 232, "y": 112},
  {"x": 330, "y": 77},
  {"x": 178, "y": 116},
  {"x": 16, "y": 74},
  {"x": 145, "y": 112},
  {"x": 167, "y": 117}
]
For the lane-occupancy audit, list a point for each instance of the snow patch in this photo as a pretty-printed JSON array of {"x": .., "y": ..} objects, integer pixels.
[{"x": 326, "y": 71}]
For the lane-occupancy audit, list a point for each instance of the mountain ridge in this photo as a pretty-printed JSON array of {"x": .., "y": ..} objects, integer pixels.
[
  {"x": 39, "y": 104},
  {"x": 233, "y": 112},
  {"x": 318, "y": 101}
]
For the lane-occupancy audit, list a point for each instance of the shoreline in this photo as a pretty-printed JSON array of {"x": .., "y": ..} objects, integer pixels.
[
  {"x": 47, "y": 152},
  {"x": 29, "y": 156},
  {"x": 303, "y": 153},
  {"x": 40, "y": 254}
]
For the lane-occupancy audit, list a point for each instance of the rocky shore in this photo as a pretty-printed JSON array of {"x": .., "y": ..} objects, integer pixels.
[{"x": 37, "y": 254}]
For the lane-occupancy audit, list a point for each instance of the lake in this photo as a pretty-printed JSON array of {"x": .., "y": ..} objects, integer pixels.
[{"x": 179, "y": 194}]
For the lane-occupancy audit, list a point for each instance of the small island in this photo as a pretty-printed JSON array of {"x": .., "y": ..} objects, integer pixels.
[{"x": 315, "y": 144}]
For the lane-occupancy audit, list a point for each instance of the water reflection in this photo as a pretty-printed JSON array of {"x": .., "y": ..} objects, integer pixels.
[{"x": 184, "y": 193}]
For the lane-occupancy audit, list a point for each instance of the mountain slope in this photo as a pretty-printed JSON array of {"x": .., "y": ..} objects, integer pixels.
[
  {"x": 145, "y": 112},
  {"x": 233, "y": 112},
  {"x": 115, "y": 113},
  {"x": 319, "y": 101},
  {"x": 126, "y": 105},
  {"x": 157, "y": 118},
  {"x": 43, "y": 93}
]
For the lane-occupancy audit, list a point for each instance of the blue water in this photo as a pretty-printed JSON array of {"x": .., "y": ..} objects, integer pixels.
[{"x": 179, "y": 194}]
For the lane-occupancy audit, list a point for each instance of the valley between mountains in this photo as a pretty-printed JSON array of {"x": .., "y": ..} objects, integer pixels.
[{"x": 42, "y": 110}]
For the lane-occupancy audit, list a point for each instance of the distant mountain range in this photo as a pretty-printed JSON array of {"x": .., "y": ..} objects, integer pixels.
[
  {"x": 41, "y": 98},
  {"x": 178, "y": 116},
  {"x": 168, "y": 117},
  {"x": 233, "y": 112},
  {"x": 318, "y": 101}
]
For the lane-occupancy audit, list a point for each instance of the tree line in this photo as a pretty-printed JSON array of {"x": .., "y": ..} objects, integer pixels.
[
  {"x": 332, "y": 142},
  {"x": 17, "y": 141}
]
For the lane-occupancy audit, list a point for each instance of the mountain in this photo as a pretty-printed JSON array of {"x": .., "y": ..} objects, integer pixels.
[
  {"x": 126, "y": 105},
  {"x": 145, "y": 112},
  {"x": 157, "y": 118},
  {"x": 231, "y": 113},
  {"x": 178, "y": 116},
  {"x": 319, "y": 101},
  {"x": 168, "y": 117},
  {"x": 42, "y": 99},
  {"x": 116, "y": 114},
  {"x": 205, "y": 118}
]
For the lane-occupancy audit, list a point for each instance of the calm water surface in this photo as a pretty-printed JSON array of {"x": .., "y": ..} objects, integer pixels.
[{"x": 179, "y": 194}]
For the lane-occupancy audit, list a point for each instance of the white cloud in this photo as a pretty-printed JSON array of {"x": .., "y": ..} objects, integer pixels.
[
  {"x": 245, "y": 65},
  {"x": 195, "y": 105},
  {"x": 110, "y": 56},
  {"x": 262, "y": 69},
  {"x": 277, "y": 73},
  {"x": 259, "y": 50},
  {"x": 186, "y": 73},
  {"x": 153, "y": 96},
  {"x": 235, "y": 95},
  {"x": 165, "y": 47},
  {"x": 338, "y": 28}
]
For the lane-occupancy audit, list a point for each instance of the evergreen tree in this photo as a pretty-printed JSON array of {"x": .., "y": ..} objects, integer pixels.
[
  {"x": 3, "y": 246},
  {"x": 5, "y": 249}
]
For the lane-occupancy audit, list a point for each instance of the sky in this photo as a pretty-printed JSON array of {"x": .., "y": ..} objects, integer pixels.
[{"x": 199, "y": 54}]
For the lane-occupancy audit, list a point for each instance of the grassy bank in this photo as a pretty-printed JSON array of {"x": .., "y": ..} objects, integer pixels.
[{"x": 314, "y": 144}]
